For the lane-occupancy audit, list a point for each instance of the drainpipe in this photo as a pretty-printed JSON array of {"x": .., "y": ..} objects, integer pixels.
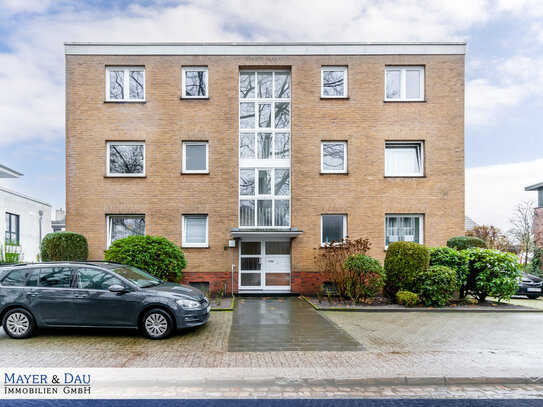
[
  {"x": 233, "y": 267},
  {"x": 39, "y": 244}
]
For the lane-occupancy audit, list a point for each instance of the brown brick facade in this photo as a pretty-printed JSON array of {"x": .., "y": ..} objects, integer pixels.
[{"x": 364, "y": 120}]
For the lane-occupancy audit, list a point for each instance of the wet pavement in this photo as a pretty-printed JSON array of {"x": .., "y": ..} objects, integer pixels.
[{"x": 285, "y": 324}]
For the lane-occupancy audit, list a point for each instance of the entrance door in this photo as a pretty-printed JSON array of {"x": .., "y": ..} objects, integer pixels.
[{"x": 264, "y": 265}]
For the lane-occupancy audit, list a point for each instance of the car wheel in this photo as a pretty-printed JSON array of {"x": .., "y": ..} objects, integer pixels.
[
  {"x": 533, "y": 297},
  {"x": 157, "y": 324},
  {"x": 18, "y": 323}
]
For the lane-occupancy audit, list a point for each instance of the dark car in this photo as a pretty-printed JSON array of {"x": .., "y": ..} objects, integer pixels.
[
  {"x": 95, "y": 294},
  {"x": 530, "y": 286}
]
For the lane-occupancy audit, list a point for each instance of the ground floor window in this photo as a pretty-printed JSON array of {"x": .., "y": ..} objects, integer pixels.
[
  {"x": 333, "y": 228},
  {"x": 195, "y": 231},
  {"x": 12, "y": 228},
  {"x": 405, "y": 228},
  {"x": 120, "y": 226}
]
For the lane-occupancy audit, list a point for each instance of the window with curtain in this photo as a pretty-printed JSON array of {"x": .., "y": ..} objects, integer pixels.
[
  {"x": 404, "y": 83},
  {"x": 403, "y": 159},
  {"x": 403, "y": 228},
  {"x": 195, "y": 230},
  {"x": 195, "y": 157}
]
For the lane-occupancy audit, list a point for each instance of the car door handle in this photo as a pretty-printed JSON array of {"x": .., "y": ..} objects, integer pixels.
[
  {"x": 32, "y": 294},
  {"x": 81, "y": 295}
]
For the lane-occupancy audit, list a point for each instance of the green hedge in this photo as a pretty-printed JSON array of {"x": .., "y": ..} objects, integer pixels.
[
  {"x": 407, "y": 298},
  {"x": 437, "y": 285},
  {"x": 404, "y": 263},
  {"x": 153, "y": 254},
  {"x": 465, "y": 242},
  {"x": 455, "y": 259},
  {"x": 64, "y": 246},
  {"x": 365, "y": 276}
]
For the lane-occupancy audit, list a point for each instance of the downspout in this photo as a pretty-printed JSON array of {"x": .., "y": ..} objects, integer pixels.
[
  {"x": 39, "y": 243},
  {"x": 233, "y": 267}
]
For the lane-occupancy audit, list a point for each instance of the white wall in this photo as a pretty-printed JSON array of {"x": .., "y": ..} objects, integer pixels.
[{"x": 29, "y": 221}]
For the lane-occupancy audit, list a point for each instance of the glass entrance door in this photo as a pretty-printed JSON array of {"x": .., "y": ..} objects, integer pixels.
[{"x": 264, "y": 265}]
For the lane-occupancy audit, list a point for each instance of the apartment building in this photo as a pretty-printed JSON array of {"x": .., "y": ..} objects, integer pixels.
[{"x": 251, "y": 155}]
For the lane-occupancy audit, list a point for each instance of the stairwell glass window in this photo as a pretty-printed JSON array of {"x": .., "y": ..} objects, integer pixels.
[
  {"x": 403, "y": 228},
  {"x": 125, "y": 84},
  {"x": 125, "y": 159},
  {"x": 404, "y": 83},
  {"x": 12, "y": 228},
  {"x": 404, "y": 159},
  {"x": 121, "y": 226},
  {"x": 334, "y": 157},
  {"x": 195, "y": 230},
  {"x": 196, "y": 157},
  {"x": 195, "y": 83},
  {"x": 333, "y": 228},
  {"x": 334, "y": 82}
]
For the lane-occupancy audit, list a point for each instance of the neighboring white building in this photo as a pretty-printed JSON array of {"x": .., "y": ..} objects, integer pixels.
[
  {"x": 24, "y": 219},
  {"x": 59, "y": 224}
]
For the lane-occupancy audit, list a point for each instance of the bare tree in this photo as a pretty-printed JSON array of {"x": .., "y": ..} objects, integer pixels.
[
  {"x": 522, "y": 230},
  {"x": 493, "y": 236}
]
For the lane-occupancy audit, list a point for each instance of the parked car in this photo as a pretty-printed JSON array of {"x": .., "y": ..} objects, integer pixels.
[
  {"x": 95, "y": 294},
  {"x": 530, "y": 286}
]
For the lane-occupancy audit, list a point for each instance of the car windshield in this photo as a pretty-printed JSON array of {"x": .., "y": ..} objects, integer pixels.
[{"x": 137, "y": 276}]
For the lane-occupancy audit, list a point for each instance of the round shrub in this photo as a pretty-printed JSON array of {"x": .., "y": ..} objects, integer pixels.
[
  {"x": 64, "y": 246},
  {"x": 366, "y": 276},
  {"x": 407, "y": 298},
  {"x": 449, "y": 257},
  {"x": 492, "y": 272},
  {"x": 404, "y": 263},
  {"x": 465, "y": 242},
  {"x": 437, "y": 285},
  {"x": 155, "y": 255}
]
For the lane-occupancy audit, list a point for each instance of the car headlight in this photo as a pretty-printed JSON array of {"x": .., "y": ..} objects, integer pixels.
[{"x": 188, "y": 304}]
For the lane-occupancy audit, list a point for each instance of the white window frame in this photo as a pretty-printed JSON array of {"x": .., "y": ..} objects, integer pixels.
[
  {"x": 195, "y": 143},
  {"x": 184, "y": 81},
  {"x": 323, "y": 244},
  {"x": 344, "y": 170},
  {"x": 406, "y": 215},
  {"x": 126, "y": 83},
  {"x": 345, "y": 70},
  {"x": 109, "y": 219},
  {"x": 124, "y": 143},
  {"x": 407, "y": 175},
  {"x": 403, "y": 83},
  {"x": 184, "y": 232}
]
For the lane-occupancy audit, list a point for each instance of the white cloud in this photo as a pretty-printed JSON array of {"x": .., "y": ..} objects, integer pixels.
[{"x": 493, "y": 192}]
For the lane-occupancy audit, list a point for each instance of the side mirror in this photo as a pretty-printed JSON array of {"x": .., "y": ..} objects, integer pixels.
[{"x": 117, "y": 288}]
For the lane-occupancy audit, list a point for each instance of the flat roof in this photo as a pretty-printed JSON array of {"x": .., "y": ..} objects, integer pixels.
[
  {"x": 534, "y": 187},
  {"x": 6, "y": 172},
  {"x": 265, "y": 48}
]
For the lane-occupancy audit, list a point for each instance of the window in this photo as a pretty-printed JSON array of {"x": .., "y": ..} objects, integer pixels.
[
  {"x": 92, "y": 279},
  {"x": 194, "y": 82},
  {"x": 404, "y": 83},
  {"x": 195, "y": 157},
  {"x": 334, "y": 82},
  {"x": 195, "y": 229},
  {"x": 16, "y": 278},
  {"x": 125, "y": 84},
  {"x": 125, "y": 159},
  {"x": 403, "y": 159},
  {"x": 333, "y": 228},
  {"x": 12, "y": 229},
  {"x": 57, "y": 277},
  {"x": 334, "y": 156},
  {"x": 403, "y": 228},
  {"x": 120, "y": 226}
]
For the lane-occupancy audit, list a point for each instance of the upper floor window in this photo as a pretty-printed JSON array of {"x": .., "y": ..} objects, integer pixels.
[
  {"x": 333, "y": 228},
  {"x": 403, "y": 228},
  {"x": 195, "y": 157},
  {"x": 334, "y": 82},
  {"x": 125, "y": 84},
  {"x": 195, "y": 231},
  {"x": 334, "y": 157},
  {"x": 125, "y": 159},
  {"x": 403, "y": 159},
  {"x": 404, "y": 83},
  {"x": 194, "y": 83},
  {"x": 12, "y": 229},
  {"x": 120, "y": 226}
]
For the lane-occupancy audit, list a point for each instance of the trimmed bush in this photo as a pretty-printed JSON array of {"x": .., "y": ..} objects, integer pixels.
[
  {"x": 437, "y": 285},
  {"x": 404, "y": 263},
  {"x": 449, "y": 257},
  {"x": 465, "y": 242},
  {"x": 64, "y": 246},
  {"x": 407, "y": 298},
  {"x": 366, "y": 277},
  {"x": 155, "y": 255},
  {"x": 492, "y": 273}
]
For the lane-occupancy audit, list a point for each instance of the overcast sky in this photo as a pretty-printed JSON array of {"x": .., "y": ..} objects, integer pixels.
[{"x": 504, "y": 72}]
